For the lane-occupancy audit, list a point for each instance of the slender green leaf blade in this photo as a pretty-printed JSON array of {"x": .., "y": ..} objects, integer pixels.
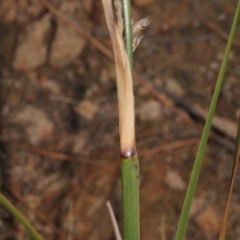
[
  {"x": 201, "y": 150},
  {"x": 14, "y": 211},
  {"x": 128, "y": 29}
]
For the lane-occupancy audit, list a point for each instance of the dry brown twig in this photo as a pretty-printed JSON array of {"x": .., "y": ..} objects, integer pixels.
[
  {"x": 54, "y": 155},
  {"x": 169, "y": 146},
  {"x": 218, "y": 31}
]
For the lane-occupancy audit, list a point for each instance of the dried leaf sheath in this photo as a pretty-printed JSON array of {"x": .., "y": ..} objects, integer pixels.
[{"x": 124, "y": 83}]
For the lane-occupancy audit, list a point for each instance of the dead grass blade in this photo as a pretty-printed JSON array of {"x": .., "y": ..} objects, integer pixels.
[
  {"x": 114, "y": 221},
  {"x": 234, "y": 171}
]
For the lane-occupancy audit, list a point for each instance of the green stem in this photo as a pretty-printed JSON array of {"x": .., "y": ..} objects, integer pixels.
[
  {"x": 130, "y": 192},
  {"x": 198, "y": 161},
  {"x": 130, "y": 166},
  {"x": 13, "y": 210},
  {"x": 127, "y": 16}
]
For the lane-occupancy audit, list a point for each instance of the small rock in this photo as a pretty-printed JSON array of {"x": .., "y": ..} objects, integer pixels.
[
  {"x": 104, "y": 76},
  {"x": 209, "y": 220},
  {"x": 32, "y": 48},
  {"x": 50, "y": 85},
  {"x": 79, "y": 143},
  {"x": 222, "y": 17},
  {"x": 150, "y": 111},
  {"x": 68, "y": 44},
  {"x": 174, "y": 180},
  {"x": 66, "y": 47},
  {"x": 197, "y": 205},
  {"x": 8, "y": 10},
  {"x": 142, "y": 3},
  {"x": 86, "y": 109},
  {"x": 174, "y": 87},
  {"x": 38, "y": 125},
  {"x": 214, "y": 65},
  {"x": 34, "y": 9}
]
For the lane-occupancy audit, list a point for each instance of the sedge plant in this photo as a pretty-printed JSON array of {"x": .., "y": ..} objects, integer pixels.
[
  {"x": 128, "y": 154},
  {"x": 119, "y": 21},
  {"x": 203, "y": 143},
  {"x": 123, "y": 64},
  {"x": 129, "y": 161}
]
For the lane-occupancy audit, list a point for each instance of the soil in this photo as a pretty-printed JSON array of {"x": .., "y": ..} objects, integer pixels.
[{"x": 59, "y": 137}]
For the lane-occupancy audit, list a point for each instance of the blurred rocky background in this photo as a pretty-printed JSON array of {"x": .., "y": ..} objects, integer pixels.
[{"x": 59, "y": 147}]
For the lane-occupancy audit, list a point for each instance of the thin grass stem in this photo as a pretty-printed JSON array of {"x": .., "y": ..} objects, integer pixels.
[
  {"x": 198, "y": 161},
  {"x": 130, "y": 165},
  {"x": 14, "y": 211},
  {"x": 127, "y": 16},
  {"x": 129, "y": 161},
  {"x": 130, "y": 193}
]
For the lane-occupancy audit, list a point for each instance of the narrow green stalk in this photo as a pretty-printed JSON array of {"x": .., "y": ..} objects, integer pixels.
[
  {"x": 129, "y": 160},
  {"x": 127, "y": 16},
  {"x": 198, "y": 161},
  {"x": 130, "y": 166},
  {"x": 130, "y": 192},
  {"x": 13, "y": 210}
]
